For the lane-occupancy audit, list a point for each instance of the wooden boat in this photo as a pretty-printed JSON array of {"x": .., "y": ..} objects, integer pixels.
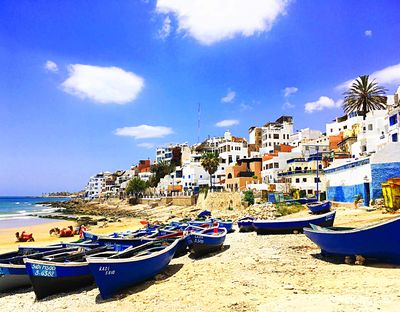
[
  {"x": 319, "y": 207},
  {"x": 284, "y": 226},
  {"x": 302, "y": 201},
  {"x": 116, "y": 271},
  {"x": 246, "y": 224},
  {"x": 379, "y": 241},
  {"x": 203, "y": 241},
  {"x": 13, "y": 274},
  {"x": 60, "y": 272}
]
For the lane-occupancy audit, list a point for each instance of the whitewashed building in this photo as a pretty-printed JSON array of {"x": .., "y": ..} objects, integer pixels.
[
  {"x": 276, "y": 133},
  {"x": 304, "y": 136},
  {"x": 94, "y": 187}
]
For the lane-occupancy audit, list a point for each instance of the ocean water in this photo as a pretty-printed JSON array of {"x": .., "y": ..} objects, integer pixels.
[{"x": 15, "y": 211}]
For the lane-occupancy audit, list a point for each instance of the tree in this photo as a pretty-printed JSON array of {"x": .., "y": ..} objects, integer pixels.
[
  {"x": 210, "y": 162},
  {"x": 136, "y": 185},
  {"x": 160, "y": 170},
  {"x": 364, "y": 96},
  {"x": 248, "y": 197}
]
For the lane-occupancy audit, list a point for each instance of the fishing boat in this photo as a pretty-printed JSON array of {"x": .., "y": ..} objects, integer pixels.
[
  {"x": 379, "y": 241},
  {"x": 202, "y": 241},
  {"x": 246, "y": 224},
  {"x": 284, "y": 226},
  {"x": 13, "y": 274},
  {"x": 60, "y": 272},
  {"x": 302, "y": 201},
  {"x": 114, "y": 272},
  {"x": 319, "y": 207}
]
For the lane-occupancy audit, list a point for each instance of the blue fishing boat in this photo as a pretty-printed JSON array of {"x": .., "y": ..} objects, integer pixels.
[
  {"x": 379, "y": 241},
  {"x": 203, "y": 241},
  {"x": 227, "y": 224},
  {"x": 246, "y": 224},
  {"x": 204, "y": 214},
  {"x": 302, "y": 201},
  {"x": 319, "y": 207},
  {"x": 284, "y": 226},
  {"x": 13, "y": 274},
  {"x": 114, "y": 272},
  {"x": 60, "y": 272}
]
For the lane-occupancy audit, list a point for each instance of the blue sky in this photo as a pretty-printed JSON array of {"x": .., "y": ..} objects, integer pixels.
[{"x": 88, "y": 86}]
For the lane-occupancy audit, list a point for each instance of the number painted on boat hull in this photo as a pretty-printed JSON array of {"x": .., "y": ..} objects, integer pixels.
[
  {"x": 106, "y": 270},
  {"x": 44, "y": 270}
]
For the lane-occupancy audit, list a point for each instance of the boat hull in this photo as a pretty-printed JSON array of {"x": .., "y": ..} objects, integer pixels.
[
  {"x": 114, "y": 275},
  {"x": 289, "y": 226},
  {"x": 380, "y": 242},
  {"x": 13, "y": 277},
  {"x": 246, "y": 225},
  {"x": 49, "y": 278},
  {"x": 319, "y": 207},
  {"x": 204, "y": 242}
]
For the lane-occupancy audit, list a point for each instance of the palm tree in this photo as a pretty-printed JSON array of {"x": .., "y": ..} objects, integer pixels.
[
  {"x": 364, "y": 96},
  {"x": 210, "y": 162}
]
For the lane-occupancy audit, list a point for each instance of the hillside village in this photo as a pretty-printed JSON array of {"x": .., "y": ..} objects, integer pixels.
[{"x": 350, "y": 161}]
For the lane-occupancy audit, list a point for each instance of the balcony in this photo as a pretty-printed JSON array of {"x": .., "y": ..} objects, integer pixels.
[
  {"x": 290, "y": 173},
  {"x": 245, "y": 174}
]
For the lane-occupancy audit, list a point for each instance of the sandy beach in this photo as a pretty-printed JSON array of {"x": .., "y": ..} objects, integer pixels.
[{"x": 252, "y": 273}]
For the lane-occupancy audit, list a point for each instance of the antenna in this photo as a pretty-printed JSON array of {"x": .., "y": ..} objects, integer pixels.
[{"x": 198, "y": 123}]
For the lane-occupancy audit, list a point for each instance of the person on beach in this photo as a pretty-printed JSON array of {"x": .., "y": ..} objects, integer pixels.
[{"x": 24, "y": 237}]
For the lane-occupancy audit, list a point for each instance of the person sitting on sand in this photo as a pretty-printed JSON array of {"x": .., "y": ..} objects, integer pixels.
[
  {"x": 67, "y": 232},
  {"x": 24, "y": 237}
]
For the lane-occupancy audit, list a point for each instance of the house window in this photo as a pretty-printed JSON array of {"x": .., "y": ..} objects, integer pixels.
[
  {"x": 309, "y": 192},
  {"x": 297, "y": 180},
  {"x": 269, "y": 143},
  {"x": 276, "y": 165},
  {"x": 230, "y": 159},
  {"x": 370, "y": 127},
  {"x": 393, "y": 120},
  {"x": 189, "y": 176},
  {"x": 276, "y": 136},
  {"x": 394, "y": 137},
  {"x": 269, "y": 135},
  {"x": 315, "y": 180},
  {"x": 201, "y": 176},
  {"x": 304, "y": 179},
  {"x": 344, "y": 127}
]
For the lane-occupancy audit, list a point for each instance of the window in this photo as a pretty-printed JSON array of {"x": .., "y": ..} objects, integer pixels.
[
  {"x": 297, "y": 180},
  {"x": 201, "y": 176},
  {"x": 276, "y": 136},
  {"x": 276, "y": 165},
  {"x": 393, "y": 120},
  {"x": 344, "y": 127},
  {"x": 394, "y": 137},
  {"x": 269, "y": 135},
  {"x": 315, "y": 180},
  {"x": 269, "y": 144},
  {"x": 309, "y": 191},
  {"x": 304, "y": 179},
  {"x": 230, "y": 159},
  {"x": 331, "y": 129},
  {"x": 370, "y": 127}
]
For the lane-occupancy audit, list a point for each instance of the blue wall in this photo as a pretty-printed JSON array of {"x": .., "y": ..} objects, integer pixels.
[
  {"x": 346, "y": 193},
  {"x": 380, "y": 173}
]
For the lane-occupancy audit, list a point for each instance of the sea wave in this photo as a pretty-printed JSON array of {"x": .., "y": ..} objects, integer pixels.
[{"x": 28, "y": 214}]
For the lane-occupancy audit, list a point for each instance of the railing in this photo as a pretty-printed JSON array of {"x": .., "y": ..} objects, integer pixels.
[
  {"x": 245, "y": 174},
  {"x": 289, "y": 173}
]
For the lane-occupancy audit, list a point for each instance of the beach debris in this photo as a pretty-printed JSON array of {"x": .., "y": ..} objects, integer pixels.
[
  {"x": 348, "y": 260},
  {"x": 288, "y": 287}
]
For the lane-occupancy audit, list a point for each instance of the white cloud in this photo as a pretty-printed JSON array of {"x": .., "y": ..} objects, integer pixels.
[
  {"x": 51, "y": 66},
  {"x": 387, "y": 76},
  {"x": 322, "y": 103},
  {"x": 210, "y": 21},
  {"x": 166, "y": 28},
  {"x": 227, "y": 123},
  {"x": 368, "y": 33},
  {"x": 288, "y": 91},
  {"x": 245, "y": 107},
  {"x": 146, "y": 145},
  {"x": 103, "y": 84},
  {"x": 144, "y": 131},
  {"x": 287, "y": 105},
  {"x": 229, "y": 97}
]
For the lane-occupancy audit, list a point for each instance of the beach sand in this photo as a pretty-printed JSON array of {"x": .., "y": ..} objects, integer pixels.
[{"x": 252, "y": 273}]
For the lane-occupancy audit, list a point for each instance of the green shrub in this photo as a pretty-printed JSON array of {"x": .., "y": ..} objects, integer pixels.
[{"x": 249, "y": 197}]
